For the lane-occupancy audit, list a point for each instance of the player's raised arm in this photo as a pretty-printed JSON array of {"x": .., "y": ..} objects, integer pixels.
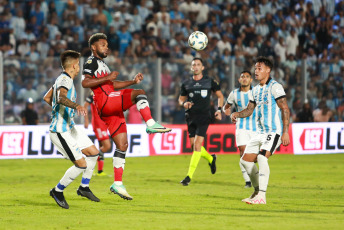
[
  {"x": 123, "y": 84},
  {"x": 48, "y": 97},
  {"x": 89, "y": 82}
]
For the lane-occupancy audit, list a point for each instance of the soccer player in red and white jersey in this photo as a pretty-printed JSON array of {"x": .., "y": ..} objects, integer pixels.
[
  {"x": 111, "y": 99},
  {"x": 100, "y": 130}
]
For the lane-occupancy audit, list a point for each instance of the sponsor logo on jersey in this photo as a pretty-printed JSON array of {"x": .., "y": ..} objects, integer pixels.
[
  {"x": 191, "y": 94},
  {"x": 204, "y": 93}
]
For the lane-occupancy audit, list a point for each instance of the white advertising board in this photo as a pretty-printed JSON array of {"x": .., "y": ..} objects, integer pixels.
[
  {"x": 33, "y": 142},
  {"x": 318, "y": 138}
]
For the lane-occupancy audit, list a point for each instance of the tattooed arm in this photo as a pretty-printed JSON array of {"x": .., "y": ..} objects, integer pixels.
[
  {"x": 63, "y": 100},
  {"x": 282, "y": 104},
  {"x": 245, "y": 113}
]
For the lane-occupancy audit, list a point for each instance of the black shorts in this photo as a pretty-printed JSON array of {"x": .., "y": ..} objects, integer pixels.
[{"x": 197, "y": 125}]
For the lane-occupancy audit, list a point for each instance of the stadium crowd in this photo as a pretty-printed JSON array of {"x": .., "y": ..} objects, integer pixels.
[{"x": 34, "y": 33}]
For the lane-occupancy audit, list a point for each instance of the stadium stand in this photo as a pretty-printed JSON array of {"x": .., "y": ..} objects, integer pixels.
[{"x": 34, "y": 33}]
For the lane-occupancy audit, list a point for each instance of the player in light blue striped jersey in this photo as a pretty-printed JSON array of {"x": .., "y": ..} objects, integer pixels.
[
  {"x": 273, "y": 125},
  {"x": 245, "y": 127},
  {"x": 70, "y": 140}
]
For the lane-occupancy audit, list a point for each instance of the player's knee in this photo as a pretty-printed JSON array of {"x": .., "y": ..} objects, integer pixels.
[
  {"x": 123, "y": 146},
  {"x": 106, "y": 146}
]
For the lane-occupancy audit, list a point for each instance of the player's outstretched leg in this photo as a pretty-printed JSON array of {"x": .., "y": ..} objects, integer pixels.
[
  {"x": 118, "y": 164},
  {"x": 143, "y": 107}
]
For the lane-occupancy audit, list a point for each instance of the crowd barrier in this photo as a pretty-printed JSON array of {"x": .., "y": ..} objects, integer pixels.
[{"x": 18, "y": 142}]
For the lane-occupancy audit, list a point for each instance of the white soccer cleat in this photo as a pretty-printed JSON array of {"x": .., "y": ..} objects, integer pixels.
[
  {"x": 251, "y": 197},
  {"x": 259, "y": 199},
  {"x": 121, "y": 191}
]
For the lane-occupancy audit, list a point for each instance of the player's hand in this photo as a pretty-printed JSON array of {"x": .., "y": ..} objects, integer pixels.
[
  {"x": 234, "y": 117},
  {"x": 218, "y": 115},
  {"x": 285, "y": 139},
  {"x": 188, "y": 105},
  {"x": 138, "y": 78},
  {"x": 113, "y": 75},
  {"x": 81, "y": 110},
  {"x": 227, "y": 111}
]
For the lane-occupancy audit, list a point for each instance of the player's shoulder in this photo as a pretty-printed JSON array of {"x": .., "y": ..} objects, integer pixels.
[{"x": 91, "y": 60}]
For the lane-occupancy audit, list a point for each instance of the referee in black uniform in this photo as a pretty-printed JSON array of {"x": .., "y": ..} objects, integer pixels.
[{"x": 195, "y": 98}]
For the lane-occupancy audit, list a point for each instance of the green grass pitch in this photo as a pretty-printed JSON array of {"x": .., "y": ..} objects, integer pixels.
[{"x": 305, "y": 192}]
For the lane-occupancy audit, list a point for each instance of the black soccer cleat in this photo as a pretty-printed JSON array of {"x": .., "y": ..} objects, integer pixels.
[
  {"x": 86, "y": 192},
  {"x": 213, "y": 164},
  {"x": 186, "y": 181},
  {"x": 248, "y": 184},
  {"x": 59, "y": 198}
]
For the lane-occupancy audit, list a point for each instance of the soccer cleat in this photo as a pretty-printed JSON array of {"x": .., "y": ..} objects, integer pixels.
[
  {"x": 101, "y": 174},
  {"x": 258, "y": 199},
  {"x": 121, "y": 191},
  {"x": 213, "y": 164},
  {"x": 186, "y": 181},
  {"x": 157, "y": 128},
  {"x": 251, "y": 197},
  {"x": 59, "y": 198},
  {"x": 248, "y": 184},
  {"x": 86, "y": 192}
]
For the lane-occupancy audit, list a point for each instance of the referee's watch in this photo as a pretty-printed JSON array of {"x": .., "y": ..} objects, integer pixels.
[{"x": 219, "y": 108}]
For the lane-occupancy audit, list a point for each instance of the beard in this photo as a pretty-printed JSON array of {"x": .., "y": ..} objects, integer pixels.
[{"x": 102, "y": 55}]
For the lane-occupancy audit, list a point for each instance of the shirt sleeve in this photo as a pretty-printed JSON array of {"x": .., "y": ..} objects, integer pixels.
[
  {"x": 251, "y": 97},
  {"x": 230, "y": 99},
  {"x": 64, "y": 82},
  {"x": 277, "y": 91},
  {"x": 215, "y": 86},
  {"x": 90, "y": 67},
  {"x": 183, "y": 91}
]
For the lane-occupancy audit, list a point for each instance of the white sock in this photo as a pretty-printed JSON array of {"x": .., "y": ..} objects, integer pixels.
[
  {"x": 87, "y": 175},
  {"x": 71, "y": 173},
  {"x": 264, "y": 172},
  {"x": 150, "y": 122},
  {"x": 252, "y": 171},
  {"x": 244, "y": 173}
]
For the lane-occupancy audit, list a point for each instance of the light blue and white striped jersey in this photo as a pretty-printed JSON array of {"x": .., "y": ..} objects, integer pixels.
[
  {"x": 62, "y": 116},
  {"x": 268, "y": 113},
  {"x": 240, "y": 101}
]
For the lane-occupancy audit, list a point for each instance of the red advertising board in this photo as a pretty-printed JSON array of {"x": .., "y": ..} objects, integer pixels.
[{"x": 220, "y": 139}]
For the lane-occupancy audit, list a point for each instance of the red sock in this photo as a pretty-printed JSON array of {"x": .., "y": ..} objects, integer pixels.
[
  {"x": 118, "y": 172},
  {"x": 146, "y": 113},
  {"x": 100, "y": 165}
]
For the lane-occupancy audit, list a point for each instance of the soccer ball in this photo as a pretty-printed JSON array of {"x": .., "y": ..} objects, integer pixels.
[{"x": 198, "y": 40}]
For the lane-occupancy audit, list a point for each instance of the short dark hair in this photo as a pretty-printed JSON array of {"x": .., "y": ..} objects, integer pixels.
[
  {"x": 266, "y": 61},
  {"x": 96, "y": 37},
  {"x": 246, "y": 71},
  {"x": 196, "y": 58},
  {"x": 67, "y": 55}
]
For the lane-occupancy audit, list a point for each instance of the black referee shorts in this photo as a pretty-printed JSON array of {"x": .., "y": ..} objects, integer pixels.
[{"x": 197, "y": 125}]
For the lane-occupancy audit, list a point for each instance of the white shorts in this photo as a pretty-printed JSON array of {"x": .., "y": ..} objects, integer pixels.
[
  {"x": 263, "y": 141},
  {"x": 71, "y": 143},
  {"x": 243, "y": 136}
]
